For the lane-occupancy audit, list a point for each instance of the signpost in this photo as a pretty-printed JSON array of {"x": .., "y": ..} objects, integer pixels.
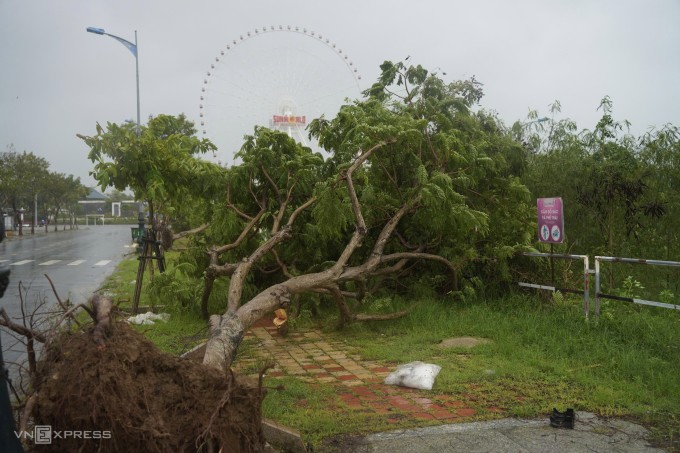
[
  {"x": 550, "y": 220},
  {"x": 550, "y": 225}
]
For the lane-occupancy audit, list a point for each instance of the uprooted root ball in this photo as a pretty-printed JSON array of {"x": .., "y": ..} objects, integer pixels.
[{"x": 134, "y": 398}]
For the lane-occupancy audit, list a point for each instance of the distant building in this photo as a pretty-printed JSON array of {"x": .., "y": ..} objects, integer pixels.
[{"x": 94, "y": 202}]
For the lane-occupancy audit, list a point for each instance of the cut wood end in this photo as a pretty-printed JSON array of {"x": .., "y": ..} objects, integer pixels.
[{"x": 281, "y": 317}]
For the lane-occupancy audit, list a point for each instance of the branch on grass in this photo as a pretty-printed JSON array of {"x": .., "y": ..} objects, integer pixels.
[
  {"x": 345, "y": 314},
  {"x": 382, "y": 316}
]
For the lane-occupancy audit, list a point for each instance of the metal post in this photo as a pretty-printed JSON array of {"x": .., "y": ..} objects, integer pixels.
[
  {"x": 586, "y": 293},
  {"x": 597, "y": 287},
  {"x": 135, "y": 51},
  {"x": 35, "y": 212},
  {"x": 552, "y": 265},
  {"x": 137, "y": 67}
]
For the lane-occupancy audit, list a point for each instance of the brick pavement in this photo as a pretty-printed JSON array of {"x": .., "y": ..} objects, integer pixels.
[{"x": 309, "y": 356}]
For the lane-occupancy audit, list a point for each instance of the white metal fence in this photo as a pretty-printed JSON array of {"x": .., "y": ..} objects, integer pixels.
[
  {"x": 598, "y": 294},
  {"x": 610, "y": 259},
  {"x": 584, "y": 291}
]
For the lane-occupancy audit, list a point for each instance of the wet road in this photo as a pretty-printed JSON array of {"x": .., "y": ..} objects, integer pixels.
[{"x": 77, "y": 261}]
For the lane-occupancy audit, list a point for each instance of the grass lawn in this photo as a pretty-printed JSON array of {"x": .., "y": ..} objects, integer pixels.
[{"x": 542, "y": 354}]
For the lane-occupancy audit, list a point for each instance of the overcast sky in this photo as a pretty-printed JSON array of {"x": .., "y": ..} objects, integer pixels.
[{"x": 56, "y": 80}]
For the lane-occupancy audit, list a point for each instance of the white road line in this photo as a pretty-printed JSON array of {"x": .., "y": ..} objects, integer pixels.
[
  {"x": 3, "y": 261},
  {"x": 77, "y": 262},
  {"x": 20, "y": 263},
  {"x": 49, "y": 263},
  {"x": 102, "y": 263}
]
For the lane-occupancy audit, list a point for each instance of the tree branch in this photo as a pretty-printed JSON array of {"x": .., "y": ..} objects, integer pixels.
[
  {"x": 420, "y": 256},
  {"x": 253, "y": 221},
  {"x": 242, "y": 268},
  {"x": 18, "y": 328},
  {"x": 282, "y": 265},
  {"x": 188, "y": 232},
  {"x": 233, "y": 207}
]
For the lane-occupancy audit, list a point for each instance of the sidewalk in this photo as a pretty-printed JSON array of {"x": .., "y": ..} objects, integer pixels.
[{"x": 311, "y": 357}]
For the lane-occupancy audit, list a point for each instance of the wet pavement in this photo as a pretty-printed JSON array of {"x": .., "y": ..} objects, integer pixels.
[{"x": 77, "y": 261}]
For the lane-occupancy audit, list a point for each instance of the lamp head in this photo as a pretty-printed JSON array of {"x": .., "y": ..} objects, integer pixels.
[{"x": 97, "y": 31}]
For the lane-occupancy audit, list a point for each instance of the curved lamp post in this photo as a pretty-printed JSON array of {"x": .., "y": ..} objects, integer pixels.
[
  {"x": 539, "y": 120},
  {"x": 132, "y": 48}
]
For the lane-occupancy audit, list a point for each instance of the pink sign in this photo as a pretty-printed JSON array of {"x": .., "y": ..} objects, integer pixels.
[
  {"x": 550, "y": 220},
  {"x": 289, "y": 119}
]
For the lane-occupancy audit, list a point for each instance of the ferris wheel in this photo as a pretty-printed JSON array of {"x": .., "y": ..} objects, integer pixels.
[{"x": 280, "y": 77}]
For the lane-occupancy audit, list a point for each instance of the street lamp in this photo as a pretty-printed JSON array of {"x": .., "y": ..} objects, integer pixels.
[
  {"x": 21, "y": 221},
  {"x": 132, "y": 48},
  {"x": 539, "y": 120}
]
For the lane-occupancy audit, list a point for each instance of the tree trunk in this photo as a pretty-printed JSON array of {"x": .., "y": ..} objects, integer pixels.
[{"x": 226, "y": 333}]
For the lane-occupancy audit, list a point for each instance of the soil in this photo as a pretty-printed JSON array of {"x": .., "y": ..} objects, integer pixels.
[{"x": 144, "y": 399}]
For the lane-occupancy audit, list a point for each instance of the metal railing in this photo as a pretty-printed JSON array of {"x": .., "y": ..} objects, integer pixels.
[
  {"x": 611, "y": 259},
  {"x": 586, "y": 278}
]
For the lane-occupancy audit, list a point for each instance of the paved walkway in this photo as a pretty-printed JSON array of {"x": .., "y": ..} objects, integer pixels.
[{"x": 313, "y": 358}]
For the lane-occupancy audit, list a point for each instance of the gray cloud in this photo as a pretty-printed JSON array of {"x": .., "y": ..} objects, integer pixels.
[{"x": 57, "y": 80}]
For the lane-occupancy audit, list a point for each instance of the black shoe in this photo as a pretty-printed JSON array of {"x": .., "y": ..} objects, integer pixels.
[{"x": 563, "y": 419}]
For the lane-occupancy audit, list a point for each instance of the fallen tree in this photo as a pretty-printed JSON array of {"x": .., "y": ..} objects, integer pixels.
[
  {"x": 417, "y": 190},
  {"x": 226, "y": 331},
  {"x": 105, "y": 387}
]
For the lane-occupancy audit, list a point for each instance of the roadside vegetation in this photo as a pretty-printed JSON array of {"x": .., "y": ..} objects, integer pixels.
[
  {"x": 543, "y": 353},
  {"x": 411, "y": 229}
]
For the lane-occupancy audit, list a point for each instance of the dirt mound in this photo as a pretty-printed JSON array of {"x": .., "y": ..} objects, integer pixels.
[{"x": 133, "y": 397}]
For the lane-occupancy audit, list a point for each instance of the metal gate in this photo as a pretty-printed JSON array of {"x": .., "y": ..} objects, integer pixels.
[{"x": 584, "y": 291}]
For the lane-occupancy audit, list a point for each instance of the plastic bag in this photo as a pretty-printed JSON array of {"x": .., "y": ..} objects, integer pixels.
[
  {"x": 148, "y": 318},
  {"x": 417, "y": 375}
]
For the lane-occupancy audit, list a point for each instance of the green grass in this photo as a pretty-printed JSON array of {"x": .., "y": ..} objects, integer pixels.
[
  {"x": 315, "y": 410},
  {"x": 542, "y": 355}
]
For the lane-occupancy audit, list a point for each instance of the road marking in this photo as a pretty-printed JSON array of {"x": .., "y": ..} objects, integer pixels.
[
  {"x": 20, "y": 263},
  {"x": 49, "y": 263},
  {"x": 77, "y": 262},
  {"x": 3, "y": 261},
  {"x": 103, "y": 263}
]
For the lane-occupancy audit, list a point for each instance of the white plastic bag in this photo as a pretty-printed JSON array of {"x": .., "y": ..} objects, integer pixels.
[
  {"x": 148, "y": 318},
  {"x": 417, "y": 375}
]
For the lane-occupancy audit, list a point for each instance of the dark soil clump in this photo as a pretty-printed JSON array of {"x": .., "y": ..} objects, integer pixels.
[{"x": 134, "y": 398}]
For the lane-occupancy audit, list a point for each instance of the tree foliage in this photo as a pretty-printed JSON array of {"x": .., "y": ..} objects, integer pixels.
[
  {"x": 25, "y": 178},
  {"x": 159, "y": 165}
]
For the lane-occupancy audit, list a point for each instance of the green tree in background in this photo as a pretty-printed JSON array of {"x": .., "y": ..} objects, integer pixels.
[
  {"x": 23, "y": 176},
  {"x": 62, "y": 192},
  {"x": 158, "y": 166}
]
